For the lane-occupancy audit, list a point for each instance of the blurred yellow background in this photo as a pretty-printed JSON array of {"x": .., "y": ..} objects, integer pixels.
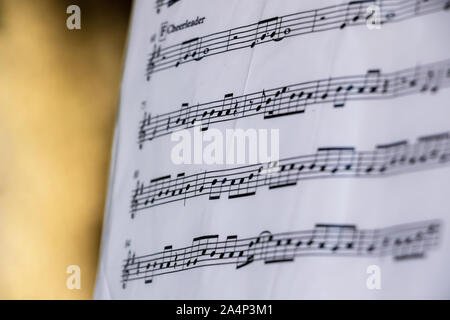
[{"x": 58, "y": 97}]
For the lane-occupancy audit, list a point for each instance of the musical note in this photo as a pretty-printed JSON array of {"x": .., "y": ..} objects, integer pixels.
[
  {"x": 394, "y": 158},
  {"x": 275, "y": 29},
  {"x": 392, "y": 154},
  {"x": 148, "y": 272},
  {"x": 295, "y": 98},
  {"x": 352, "y": 16},
  {"x": 243, "y": 186},
  {"x": 208, "y": 243},
  {"x": 162, "y": 3},
  {"x": 411, "y": 240},
  {"x": 191, "y": 50}
]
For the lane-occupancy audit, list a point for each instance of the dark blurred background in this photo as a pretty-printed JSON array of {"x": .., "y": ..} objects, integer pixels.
[{"x": 59, "y": 92}]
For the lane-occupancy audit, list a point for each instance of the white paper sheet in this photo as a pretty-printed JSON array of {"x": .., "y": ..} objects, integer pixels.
[{"x": 366, "y": 216}]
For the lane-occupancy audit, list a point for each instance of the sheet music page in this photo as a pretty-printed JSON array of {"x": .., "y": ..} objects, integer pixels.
[{"x": 281, "y": 150}]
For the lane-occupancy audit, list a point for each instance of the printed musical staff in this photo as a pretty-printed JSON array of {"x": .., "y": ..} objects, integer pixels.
[
  {"x": 388, "y": 159},
  {"x": 164, "y": 3},
  {"x": 295, "y": 98},
  {"x": 402, "y": 242},
  {"x": 276, "y": 29}
]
